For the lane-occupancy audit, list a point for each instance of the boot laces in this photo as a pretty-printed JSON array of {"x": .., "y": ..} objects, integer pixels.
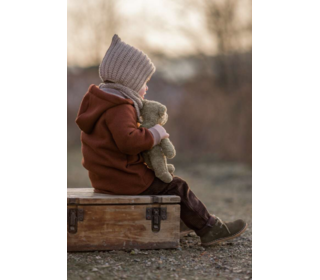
[{"x": 222, "y": 224}]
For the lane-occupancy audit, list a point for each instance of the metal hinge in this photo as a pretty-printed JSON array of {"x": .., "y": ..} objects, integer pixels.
[
  {"x": 74, "y": 215},
  {"x": 156, "y": 214}
]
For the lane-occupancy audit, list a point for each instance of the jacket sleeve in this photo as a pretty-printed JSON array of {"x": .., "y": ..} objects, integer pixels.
[{"x": 130, "y": 140}]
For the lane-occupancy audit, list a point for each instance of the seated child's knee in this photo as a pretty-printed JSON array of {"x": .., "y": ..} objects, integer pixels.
[{"x": 181, "y": 184}]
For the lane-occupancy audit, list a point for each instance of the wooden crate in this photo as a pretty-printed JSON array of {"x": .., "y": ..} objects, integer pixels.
[{"x": 113, "y": 222}]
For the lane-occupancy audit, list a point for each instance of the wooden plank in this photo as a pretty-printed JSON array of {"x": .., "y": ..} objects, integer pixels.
[
  {"x": 115, "y": 227},
  {"x": 80, "y": 190},
  {"x": 87, "y": 196}
]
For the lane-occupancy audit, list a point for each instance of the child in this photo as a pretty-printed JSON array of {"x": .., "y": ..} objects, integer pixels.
[{"x": 112, "y": 141}]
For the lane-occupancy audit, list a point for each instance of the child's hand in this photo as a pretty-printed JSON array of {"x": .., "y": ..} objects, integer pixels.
[
  {"x": 163, "y": 133},
  {"x": 158, "y": 133}
]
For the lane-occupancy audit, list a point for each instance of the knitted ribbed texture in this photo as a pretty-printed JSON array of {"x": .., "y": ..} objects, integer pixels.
[
  {"x": 126, "y": 65},
  {"x": 128, "y": 68}
]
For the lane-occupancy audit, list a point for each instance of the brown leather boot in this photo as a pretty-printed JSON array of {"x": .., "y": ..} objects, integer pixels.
[
  {"x": 223, "y": 231},
  {"x": 184, "y": 230}
]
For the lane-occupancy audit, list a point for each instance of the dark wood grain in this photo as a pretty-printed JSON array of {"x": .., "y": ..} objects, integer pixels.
[{"x": 114, "y": 227}]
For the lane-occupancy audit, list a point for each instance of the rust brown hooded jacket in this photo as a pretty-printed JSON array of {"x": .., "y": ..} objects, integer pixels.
[{"x": 112, "y": 144}]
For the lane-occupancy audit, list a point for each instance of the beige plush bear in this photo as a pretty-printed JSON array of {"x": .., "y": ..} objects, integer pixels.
[{"x": 154, "y": 113}]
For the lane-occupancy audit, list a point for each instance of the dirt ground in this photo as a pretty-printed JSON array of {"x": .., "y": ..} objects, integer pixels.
[{"x": 224, "y": 188}]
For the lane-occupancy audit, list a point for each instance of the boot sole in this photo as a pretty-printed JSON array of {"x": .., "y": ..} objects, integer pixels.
[{"x": 225, "y": 238}]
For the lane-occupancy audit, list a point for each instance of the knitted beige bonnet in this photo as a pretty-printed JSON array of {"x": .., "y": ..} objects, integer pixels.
[{"x": 126, "y": 65}]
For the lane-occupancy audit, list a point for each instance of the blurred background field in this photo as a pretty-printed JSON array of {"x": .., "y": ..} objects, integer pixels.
[{"x": 202, "y": 51}]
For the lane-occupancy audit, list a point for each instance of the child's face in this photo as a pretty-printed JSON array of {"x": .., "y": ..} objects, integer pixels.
[{"x": 143, "y": 90}]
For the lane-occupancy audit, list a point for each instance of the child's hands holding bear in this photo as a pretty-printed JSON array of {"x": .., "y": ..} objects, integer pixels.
[
  {"x": 162, "y": 131},
  {"x": 158, "y": 133}
]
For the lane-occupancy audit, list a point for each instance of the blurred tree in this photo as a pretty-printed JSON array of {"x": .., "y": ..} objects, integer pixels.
[
  {"x": 204, "y": 120},
  {"x": 229, "y": 30},
  {"x": 223, "y": 23},
  {"x": 91, "y": 24}
]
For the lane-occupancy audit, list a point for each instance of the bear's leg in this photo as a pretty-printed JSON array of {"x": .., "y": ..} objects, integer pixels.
[{"x": 159, "y": 164}]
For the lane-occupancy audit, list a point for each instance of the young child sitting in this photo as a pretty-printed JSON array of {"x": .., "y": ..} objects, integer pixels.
[{"x": 112, "y": 141}]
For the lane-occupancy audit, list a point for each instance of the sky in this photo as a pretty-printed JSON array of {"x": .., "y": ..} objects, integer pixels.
[{"x": 171, "y": 27}]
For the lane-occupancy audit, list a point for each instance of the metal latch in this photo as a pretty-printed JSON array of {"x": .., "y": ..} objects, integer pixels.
[
  {"x": 74, "y": 215},
  {"x": 156, "y": 214}
]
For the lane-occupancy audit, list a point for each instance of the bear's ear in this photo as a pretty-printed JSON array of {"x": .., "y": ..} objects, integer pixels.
[{"x": 162, "y": 110}]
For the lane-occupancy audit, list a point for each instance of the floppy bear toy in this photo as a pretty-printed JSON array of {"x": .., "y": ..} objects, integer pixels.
[{"x": 154, "y": 113}]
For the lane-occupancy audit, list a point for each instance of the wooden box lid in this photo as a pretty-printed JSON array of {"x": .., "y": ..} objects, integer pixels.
[{"x": 88, "y": 196}]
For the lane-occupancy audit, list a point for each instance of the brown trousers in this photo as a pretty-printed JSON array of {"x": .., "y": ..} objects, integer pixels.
[{"x": 193, "y": 212}]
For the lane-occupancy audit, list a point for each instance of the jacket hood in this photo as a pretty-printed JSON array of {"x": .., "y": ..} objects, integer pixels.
[{"x": 94, "y": 104}]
